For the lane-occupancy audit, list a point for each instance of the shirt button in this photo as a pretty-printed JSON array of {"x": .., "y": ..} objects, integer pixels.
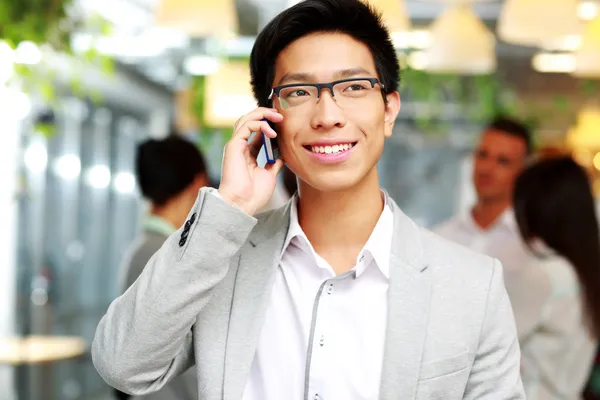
[{"x": 330, "y": 289}]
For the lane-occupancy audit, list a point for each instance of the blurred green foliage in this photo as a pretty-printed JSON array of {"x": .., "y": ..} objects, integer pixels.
[
  {"x": 49, "y": 25},
  {"x": 479, "y": 98},
  {"x": 39, "y": 21}
]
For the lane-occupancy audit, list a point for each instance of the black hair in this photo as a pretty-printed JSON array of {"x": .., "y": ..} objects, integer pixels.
[
  {"x": 553, "y": 201},
  {"x": 352, "y": 17},
  {"x": 513, "y": 128},
  {"x": 164, "y": 168}
]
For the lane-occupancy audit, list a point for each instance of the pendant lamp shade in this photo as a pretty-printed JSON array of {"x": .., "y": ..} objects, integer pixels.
[
  {"x": 538, "y": 22},
  {"x": 587, "y": 57},
  {"x": 199, "y": 18},
  {"x": 461, "y": 43},
  {"x": 228, "y": 94},
  {"x": 394, "y": 14}
]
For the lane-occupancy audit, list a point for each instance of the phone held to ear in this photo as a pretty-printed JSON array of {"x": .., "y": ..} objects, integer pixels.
[{"x": 270, "y": 146}]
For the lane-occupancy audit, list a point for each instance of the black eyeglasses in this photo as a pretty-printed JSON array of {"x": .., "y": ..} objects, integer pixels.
[{"x": 347, "y": 93}]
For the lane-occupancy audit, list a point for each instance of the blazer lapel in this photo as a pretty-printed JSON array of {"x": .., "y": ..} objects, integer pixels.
[
  {"x": 408, "y": 311},
  {"x": 252, "y": 291}
]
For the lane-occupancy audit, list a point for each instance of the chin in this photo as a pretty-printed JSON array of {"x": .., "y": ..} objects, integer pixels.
[{"x": 332, "y": 181}]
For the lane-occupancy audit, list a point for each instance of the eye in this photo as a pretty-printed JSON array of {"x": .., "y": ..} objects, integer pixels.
[
  {"x": 503, "y": 161},
  {"x": 297, "y": 93},
  {"x": 355, "y": 87}
]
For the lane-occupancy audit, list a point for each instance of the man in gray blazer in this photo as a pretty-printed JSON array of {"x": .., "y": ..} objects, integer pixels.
[{"x": 337, "y": 295}]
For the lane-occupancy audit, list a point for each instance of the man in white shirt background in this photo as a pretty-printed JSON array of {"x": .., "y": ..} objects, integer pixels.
[{"x": 489, "y": 226}]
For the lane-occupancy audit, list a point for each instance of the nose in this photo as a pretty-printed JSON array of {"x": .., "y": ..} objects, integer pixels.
[
  {"x": 327, "y": 114},
  {"x": 484, "y": 166}
]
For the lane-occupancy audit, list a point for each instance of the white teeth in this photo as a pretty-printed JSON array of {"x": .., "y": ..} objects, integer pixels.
[{"x": 331, "y": 149}]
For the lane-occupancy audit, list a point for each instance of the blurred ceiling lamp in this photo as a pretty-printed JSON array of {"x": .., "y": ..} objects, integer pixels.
[
  {"x": 460, "y": 43},
  {"x": 554, "y": 62},
  {"x": 199, "y": 18},
  {"x": 394, "y": 14},
  {"x": 567, "y": 43},
  {"x": 199, "y": 65},
  {"x": 228, "y": 94},
  {"x": 586, "y": 132},
  {"x": 588, "y": 10},
  {"x": 536, "y": 22},
  {"x": 588, "y": 55},
  {"x": 414, "y": 39}
]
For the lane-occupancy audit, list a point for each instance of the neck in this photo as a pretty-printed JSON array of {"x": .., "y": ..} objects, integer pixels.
[
  {"x": 338, "y": 224},
  {"x": 485, "y": 213},
  {"x": 170, "y": 213}
]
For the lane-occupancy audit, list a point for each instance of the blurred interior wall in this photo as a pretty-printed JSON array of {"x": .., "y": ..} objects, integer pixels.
[{"x": 9, "y": 152}]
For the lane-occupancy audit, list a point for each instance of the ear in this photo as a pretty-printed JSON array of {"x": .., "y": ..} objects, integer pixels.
[{"x": 391, "y": 112}]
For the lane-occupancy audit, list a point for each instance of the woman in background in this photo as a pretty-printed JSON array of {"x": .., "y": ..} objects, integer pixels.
[
  {"x": 556, "y": 294},
  {"x": 169, "y": 172}
]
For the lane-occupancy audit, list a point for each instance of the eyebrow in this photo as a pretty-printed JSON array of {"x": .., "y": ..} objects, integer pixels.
[{"x": 309, "y": 78}]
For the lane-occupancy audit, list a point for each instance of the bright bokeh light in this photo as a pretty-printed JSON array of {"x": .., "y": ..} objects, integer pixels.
[
  {"x": 98, "y": 176},
  {"x": 36, "y": 157},
  {"x": 554, "y": 62},
  {"x": 68, "y": 166},
  {"x": 28, "y": 53},
  {"x": 587, "y": 10},
  {"x": 201, "y": 65},
  {"x": 124, "y": 182}
]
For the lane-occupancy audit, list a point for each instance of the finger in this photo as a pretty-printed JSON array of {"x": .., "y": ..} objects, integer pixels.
[
  {"x": 255, "y": 144},
  {"x": 275, "y": 168},
  {"x": 248, "y": 128},
  {"x": 260, "y": 113}
]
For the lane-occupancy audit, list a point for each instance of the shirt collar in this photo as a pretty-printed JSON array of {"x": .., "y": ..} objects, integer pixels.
[
  {"x": 154, "y": 223},
  {"x": 377, "y": 248},
  {"x": 506, "y": 220}
]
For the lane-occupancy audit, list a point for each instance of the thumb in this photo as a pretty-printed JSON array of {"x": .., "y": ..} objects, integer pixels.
[{"x": 275, "y": 168}]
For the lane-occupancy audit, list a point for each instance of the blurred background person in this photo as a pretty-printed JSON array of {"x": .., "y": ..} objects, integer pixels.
[
  {"x": 555, "y": 293},
  {"x": 169, "y": 172},
  {"x": 489, "y": 226}
]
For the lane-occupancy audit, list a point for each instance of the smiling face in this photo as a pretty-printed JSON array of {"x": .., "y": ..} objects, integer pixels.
[{"x": 331, "y": 144}]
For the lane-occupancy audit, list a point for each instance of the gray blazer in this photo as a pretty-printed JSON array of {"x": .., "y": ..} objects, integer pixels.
[
  {"x": 184, "y": 387},
  {"x": 202, "y": 299}
]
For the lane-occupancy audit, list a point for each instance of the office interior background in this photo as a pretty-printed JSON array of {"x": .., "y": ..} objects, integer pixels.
[{"x": 79, "y": 91}]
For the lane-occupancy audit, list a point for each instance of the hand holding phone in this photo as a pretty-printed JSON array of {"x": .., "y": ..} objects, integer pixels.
[{"x": 243, "y": 183}]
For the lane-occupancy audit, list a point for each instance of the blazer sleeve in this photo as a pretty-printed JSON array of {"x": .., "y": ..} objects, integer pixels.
[
  {"x": 145, "y": 338},
  {"x": 496, "y": 368}
]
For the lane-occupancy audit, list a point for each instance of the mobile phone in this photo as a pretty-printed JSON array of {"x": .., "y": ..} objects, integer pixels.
[{"x": 270, "y": 146}]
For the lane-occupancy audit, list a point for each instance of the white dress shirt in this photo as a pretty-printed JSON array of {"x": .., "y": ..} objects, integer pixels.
[
  {"x": 501, "y": 240},
  {"x": 323, "y": 336}
]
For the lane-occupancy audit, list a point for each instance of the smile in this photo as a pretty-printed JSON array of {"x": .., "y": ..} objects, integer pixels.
[{"x": 330, "y": 149}]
